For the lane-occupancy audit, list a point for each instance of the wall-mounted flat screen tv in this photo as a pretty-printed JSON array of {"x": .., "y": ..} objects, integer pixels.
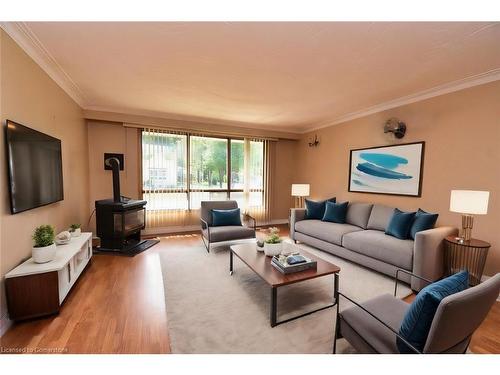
[{"x": 34, "y": 167}]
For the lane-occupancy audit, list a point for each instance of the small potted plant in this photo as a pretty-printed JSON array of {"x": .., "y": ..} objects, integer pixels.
[
  {"x": 44, "y": 248},
  {"x": 75, "y": 230},
  {"x": 272, "y": 243}
]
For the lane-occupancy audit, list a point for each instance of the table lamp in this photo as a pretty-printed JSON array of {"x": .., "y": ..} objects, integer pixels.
[
  {"x": 469, "y": 202},
  {"x": 299, "y": 191}
]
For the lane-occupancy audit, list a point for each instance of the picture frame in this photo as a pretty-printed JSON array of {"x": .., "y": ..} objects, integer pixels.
[{"x": 391, "y": 170}]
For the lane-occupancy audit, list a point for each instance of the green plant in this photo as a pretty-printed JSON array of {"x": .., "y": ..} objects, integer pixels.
[
  {"x": 44, "y": 236},
  {"x": 273, "y": 236},
  {"x": 74, "y": 227}
]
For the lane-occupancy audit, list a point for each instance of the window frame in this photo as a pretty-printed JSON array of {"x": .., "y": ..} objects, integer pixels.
[{"x": 188, "y": 190}]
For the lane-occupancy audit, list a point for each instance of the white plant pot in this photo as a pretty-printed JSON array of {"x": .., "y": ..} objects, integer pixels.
[
  {"x": 76, "y": 232},
  {"x": 271, "y": 249},
  {"x": 44, "y": 254}
]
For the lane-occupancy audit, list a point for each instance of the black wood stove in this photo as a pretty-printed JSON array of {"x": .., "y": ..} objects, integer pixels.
[{"x": 119, "y": 220}]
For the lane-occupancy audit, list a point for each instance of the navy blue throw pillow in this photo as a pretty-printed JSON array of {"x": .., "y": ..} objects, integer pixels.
[
  {"x": 418, "y": 319},
  {"x": 400, "y": 223},
  {"x": 423, "y": 221},
  {"x": 226, "y": 217},
  {"x": 316, "y": 209},
  {"x": 335, "y": 212}
]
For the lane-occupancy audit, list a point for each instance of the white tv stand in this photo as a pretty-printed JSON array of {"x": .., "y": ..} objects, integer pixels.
[{"x": 35, "y": 290}]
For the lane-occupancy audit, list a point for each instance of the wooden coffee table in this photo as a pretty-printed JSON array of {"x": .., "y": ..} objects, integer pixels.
[{"x": 261, "y": 265}]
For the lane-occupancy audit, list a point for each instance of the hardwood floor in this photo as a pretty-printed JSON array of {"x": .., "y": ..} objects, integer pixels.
[{"x": 118, "y": 306}]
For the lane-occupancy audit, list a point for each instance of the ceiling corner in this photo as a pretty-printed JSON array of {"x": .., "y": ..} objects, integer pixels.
[{"x": 29, "y": 43}]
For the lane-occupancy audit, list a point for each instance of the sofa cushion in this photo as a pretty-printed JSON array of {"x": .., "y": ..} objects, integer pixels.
[
  {"x": 378, "y": 245},
  {"x": 400, "y": 224},
  {"x": 418, "y": 319},
  {"x": 380, "y": 217},
  {"x": 335, "y": 212},
  {"x": 358, "y": 214},
  {"x": 229, "y": 233},
  {"x": 324, "y": 230}
]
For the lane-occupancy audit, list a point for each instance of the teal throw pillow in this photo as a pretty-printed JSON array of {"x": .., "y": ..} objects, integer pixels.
[
  {"x": 423, "y": 221},
  {"x": 316, "y": 209},
  {"x": 418, "y": 319},
  {"x": 400, "y": 223},
  {"x": 335, "y": 212},
  {"x": 226, "y": 217}
]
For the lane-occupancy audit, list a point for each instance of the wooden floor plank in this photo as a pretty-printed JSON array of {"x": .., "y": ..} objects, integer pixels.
[{"x": 118, "y": 306}]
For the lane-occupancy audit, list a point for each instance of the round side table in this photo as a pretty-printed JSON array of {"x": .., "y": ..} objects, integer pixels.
[{"x": 470, "y": 255}]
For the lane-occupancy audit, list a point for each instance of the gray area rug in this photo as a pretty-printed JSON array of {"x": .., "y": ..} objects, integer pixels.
[{"x": 209, "y": 311}]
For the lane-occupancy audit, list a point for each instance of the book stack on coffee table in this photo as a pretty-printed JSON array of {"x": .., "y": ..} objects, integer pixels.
[{"x": 292, "y": 263}]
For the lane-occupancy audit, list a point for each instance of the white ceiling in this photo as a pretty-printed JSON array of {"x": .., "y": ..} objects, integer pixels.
[{"x": 283, "y": 76}]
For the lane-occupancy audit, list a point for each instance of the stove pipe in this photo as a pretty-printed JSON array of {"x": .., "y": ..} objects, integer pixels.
[{"x": 114, "y": 163}]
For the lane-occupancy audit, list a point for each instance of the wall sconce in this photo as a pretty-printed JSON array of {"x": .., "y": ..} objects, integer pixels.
[
  {"x": 396, "y": 127},
  {"x": 315, "y": 142}
]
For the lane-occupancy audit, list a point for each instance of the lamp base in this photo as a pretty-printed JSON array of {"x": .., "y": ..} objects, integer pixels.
[
  {"x": 299, "y": 202},
  {"x": 467, "y": 223}
]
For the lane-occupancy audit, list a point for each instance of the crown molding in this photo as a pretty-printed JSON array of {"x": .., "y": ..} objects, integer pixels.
[
  {"x": 194, "y": 119},
  {"x": 446, "y": 88},
  {"x": 28, "y": 41},
  {"x": 131, "y": 119}
]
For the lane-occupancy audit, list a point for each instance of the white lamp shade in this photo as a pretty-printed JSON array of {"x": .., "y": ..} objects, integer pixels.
[
  {"x": 469, "y": 201},
  {"x": 300, "y": 190}
]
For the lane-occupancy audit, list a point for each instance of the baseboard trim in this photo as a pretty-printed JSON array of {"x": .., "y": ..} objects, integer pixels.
[{"x": 193, "y": 228}]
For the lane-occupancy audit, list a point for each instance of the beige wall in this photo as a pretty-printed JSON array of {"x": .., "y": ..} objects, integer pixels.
[
  {"x": 30, "y": 97},
  {"x": 462, "y": 151},
  {"x": 283, "y": 177},
  {"x": 114, "y": 137}
]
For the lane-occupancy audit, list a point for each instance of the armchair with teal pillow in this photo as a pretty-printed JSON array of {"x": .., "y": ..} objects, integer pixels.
[
  {"x": 441, "y": 320},
  {"x": 221, "y": 223}
]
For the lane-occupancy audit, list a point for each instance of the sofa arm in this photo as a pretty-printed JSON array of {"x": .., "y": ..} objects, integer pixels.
[
  {"x": 296, "y": 214},
  {"x": 428, "y": 254}
]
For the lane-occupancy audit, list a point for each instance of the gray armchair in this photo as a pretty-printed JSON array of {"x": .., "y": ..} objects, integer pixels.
[
  {"x": 372, "y": 327},
  {"x": 211, "y": 234}
]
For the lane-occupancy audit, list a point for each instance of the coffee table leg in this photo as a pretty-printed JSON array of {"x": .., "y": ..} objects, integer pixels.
[
  {"x": 336, "y": 302},
  {"x": 274, "y": 297},
  {"x": 230, "y": 262},
  {"x": 336, "y": 288}
]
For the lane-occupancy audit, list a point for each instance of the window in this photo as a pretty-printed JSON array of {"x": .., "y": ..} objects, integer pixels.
[{"x": 218, "y": 169}]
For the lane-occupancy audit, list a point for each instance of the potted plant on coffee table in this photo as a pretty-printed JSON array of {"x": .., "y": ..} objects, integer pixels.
[
  {"x": 75, "y": 230},
  {"x": 44, "y": 248},
  {"x": 273, "y": 243}
]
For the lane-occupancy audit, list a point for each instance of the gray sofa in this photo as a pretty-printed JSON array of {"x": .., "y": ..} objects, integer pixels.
[{"x": 362, "y": 240}]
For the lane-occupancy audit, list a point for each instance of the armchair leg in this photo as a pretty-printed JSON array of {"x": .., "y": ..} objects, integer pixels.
[{"x": 206, "y": 243}]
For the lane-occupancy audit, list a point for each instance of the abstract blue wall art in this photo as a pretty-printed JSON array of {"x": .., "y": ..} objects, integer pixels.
[{"x": 387, "y": 169}]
